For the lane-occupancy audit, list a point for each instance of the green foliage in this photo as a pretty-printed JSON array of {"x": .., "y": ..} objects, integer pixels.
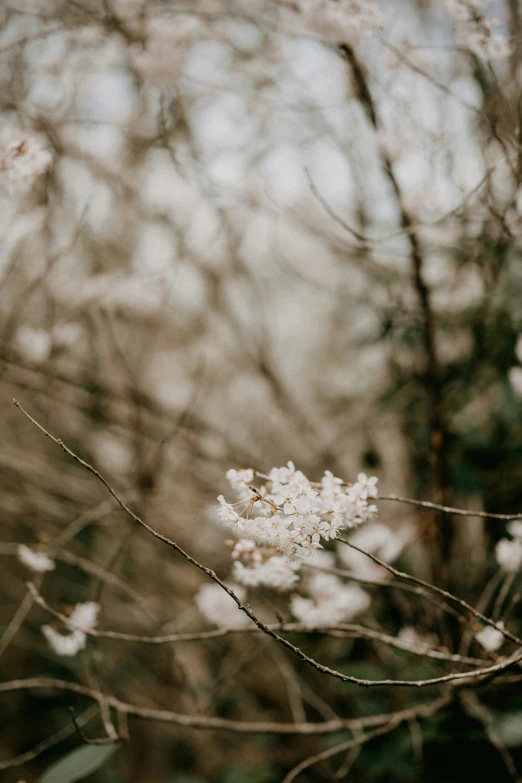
[
  {"x": 78, "y": 764},
  {"x": 239, "y": 773}
]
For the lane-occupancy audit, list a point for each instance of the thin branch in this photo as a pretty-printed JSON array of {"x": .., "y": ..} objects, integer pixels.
[
  {"x": 263, "y": 627},
  {"x": 86, "y": 740},
  {"x": 448, "y": 509},
  {"x": 65, "y": 732},
  {"x": 339, "y": 630},
  {"x": 213, "y": 723},
  {"x": 438, "y": 590},
  {"x": 426, "y": 711},
  {"x": 478, "y": 711}
]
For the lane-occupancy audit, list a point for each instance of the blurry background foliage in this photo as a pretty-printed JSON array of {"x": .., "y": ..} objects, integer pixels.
[{"x": 189, "y": 287}]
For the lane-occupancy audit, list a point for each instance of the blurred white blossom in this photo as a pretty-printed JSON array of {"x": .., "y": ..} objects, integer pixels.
[
  {"x": 515, "y": 528},
  {"x": 274, "y": 571},
  {"x": 347, "y": 21},
  {"x": 219, "y": 608},
  {"x": 379, "y": 540},
  {"x": 330, "y": 601},
  {"x": 64, "y": 644},
  {"x": 35, "y": 561},
  {"x": 34, "y": 345},
  {"x": 474, "y": 32},
  {"x": 509, "y": 554},
  {"x": 489, "y": 638},
  {"x": 84, "y": 616},
  {"x": 415, "y": 640}
]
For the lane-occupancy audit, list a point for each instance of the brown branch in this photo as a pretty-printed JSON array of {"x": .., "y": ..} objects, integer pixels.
[
  {"x": 426, "y": 711},
  {"x": 438, "y": 590},
  {"x": 63, "y": 733},
  {"x": 448, "y": 509},
  {"x": 86, "y": 740},
  {"x": 339, "y": 630},
  {"x": 210, "y": 722},
  {"x": 262, "y": 626}
]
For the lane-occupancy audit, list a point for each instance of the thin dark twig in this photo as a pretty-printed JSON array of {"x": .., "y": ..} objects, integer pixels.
[
  {"x": 86, "y": 740},
  {"x": 439, "y": 590}
]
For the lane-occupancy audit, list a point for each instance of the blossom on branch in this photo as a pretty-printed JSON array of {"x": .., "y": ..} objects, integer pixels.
[
  {"x": 293, "y": 515},
  {"x": 473, "y": 31},
  {"x": 254, "y": 567},
  {"x": 82, "y": 619},
  {"x": 38, "y": 562},
  {"x": 66, "y": 645}
]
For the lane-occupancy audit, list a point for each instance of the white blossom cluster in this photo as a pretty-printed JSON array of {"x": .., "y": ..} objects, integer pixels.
[
  {"x": 35, "y": 346},
  {"x": 23, "y": 158},
  {"x": 508, "y": 551},
  {"x": 474, "y": 32},
  {"x": 161, "y": 60},
  {"x": 345, "y": 21},
  {"x": 262, "y": 567},
  {"x": 329, "y": 601},
  {"x": 291, "y": 514},
  {"x": 39, "y": 562},
  {"x": 82, "y": 620}
]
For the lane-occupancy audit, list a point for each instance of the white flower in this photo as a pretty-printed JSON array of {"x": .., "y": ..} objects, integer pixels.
[
  {"x": 219, "y": 608},
  {"x": 69, "y": 644},
  {"x": 331, "y": 602},
  {"x": 240, "y": 479},
  {"x": 82, "y": 620},
  {"x": 490, "y": 639},
  {"x": 474, "y": 32},
  {"x": 459, "y": 10},
  {"x": 34, "y": 345},
  {"x": 323, "y": 559},
  {"x": 247, "y": 551},
  {"x": 23, "y": 158},
  {"x": 337, "y": 22},
  {"x": 293, "y": 515},
  {"x": 255, "y": 566},
  {"x": 415, "y": 641},
  {"x": 36, "y": 561},
  {"x": 65, "y": 335},
  {"x": 368, "y": 484},
  {"x": 276, "y": 572},
  {"x": 84, "y": 616},
  {"x": 379, "y": 540},
  {"x": 515, "y": 528},
  {"x": 509, "y": 554}
]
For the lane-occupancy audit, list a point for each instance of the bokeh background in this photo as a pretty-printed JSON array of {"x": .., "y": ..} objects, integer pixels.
[{"x": 228, "y": 262}]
